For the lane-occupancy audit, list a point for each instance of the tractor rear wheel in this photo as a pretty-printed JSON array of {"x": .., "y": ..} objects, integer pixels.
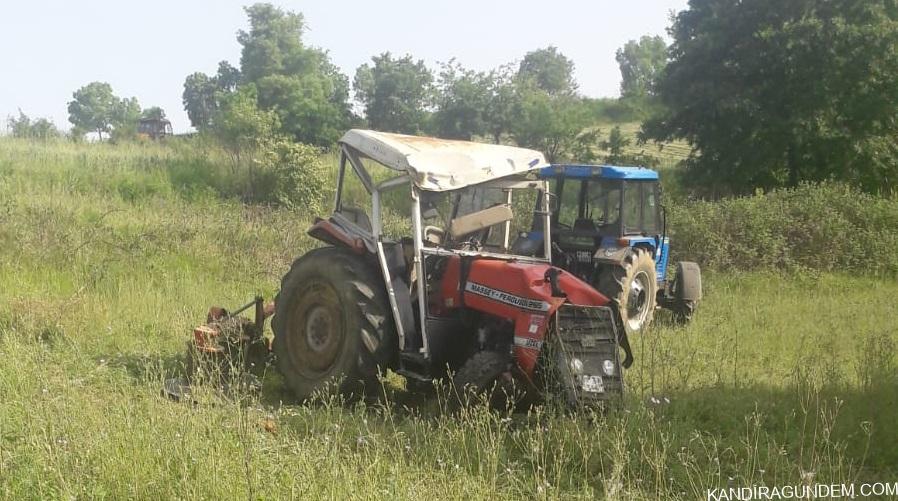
[
  {"x": 633, "y": 287},
  {"x": 332, "y": 324}
]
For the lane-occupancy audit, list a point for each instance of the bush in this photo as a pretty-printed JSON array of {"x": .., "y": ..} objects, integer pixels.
[
  {"x": 291, "y": 175},
  {"x": 24, "y": 127},
  {"x": 822, "y": 227}
]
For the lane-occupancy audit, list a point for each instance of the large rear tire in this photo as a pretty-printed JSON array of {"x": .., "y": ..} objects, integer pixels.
[
  {"x": 633, "y": 288},
  {"x": 332, "y": 324}
]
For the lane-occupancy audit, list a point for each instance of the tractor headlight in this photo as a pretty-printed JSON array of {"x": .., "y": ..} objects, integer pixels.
[
  {"x": 608, "y": 367},
  {"x": 576, "y": 366}
]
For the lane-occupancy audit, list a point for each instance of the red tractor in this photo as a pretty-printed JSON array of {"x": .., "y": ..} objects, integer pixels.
[{"x": 450, "y": 286}]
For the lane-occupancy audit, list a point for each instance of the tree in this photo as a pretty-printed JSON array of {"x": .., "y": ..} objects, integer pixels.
[
  {"x": 462, "y": 101},
  {"x": 124, "y": 122},
  {"x": 273, "y": 45},
  {"x": 241, "y": 127},
  {"x": 555, "y": 125},
  {"x": 615, "y": 145},
  {"x": 640, "y": 62},
  {"x": 127, "y": 111},
  {"x": 395, "y": 93},
  {"x": 304, "y": 106},
  {"x": 95, "y": 108},
  {"x": 773, "y": 93},
  {"x": 227, "y": 78},
  {"x": 202, "y": 93},
  {"x": 240, "y": 124},
  {"x": 310, "y": 96},
  {"x": 153, "y": 113},
  {"x": 549, "y": 70},
  {"x": 199, "y": 99},
  {"x": 503, "y": 101}
]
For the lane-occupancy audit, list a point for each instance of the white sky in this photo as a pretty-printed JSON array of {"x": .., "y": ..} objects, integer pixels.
[{"x": 49, "y": 48}]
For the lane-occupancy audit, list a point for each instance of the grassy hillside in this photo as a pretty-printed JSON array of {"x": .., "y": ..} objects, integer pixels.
[{"x": 109, "y": 255}]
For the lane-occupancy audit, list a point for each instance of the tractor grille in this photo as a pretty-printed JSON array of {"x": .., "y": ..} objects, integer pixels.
[{"x": 588, "y": 334}]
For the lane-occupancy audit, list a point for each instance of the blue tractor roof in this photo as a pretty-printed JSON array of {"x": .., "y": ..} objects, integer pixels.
[{"x": 598, "y": 171}]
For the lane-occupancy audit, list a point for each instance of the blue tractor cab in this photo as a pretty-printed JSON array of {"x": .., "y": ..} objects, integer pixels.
[{"x": 608, "y": 227}]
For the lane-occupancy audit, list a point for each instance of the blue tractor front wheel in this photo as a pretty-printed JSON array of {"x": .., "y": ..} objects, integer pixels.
[{"x": 632, "y": 287}]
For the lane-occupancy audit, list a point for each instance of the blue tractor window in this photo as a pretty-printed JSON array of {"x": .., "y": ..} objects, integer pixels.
[
  {"x": 588, "y": 204},
  {"x": 641, "y": 210}
]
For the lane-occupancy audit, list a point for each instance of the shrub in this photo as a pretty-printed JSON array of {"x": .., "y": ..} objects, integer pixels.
[
  {"x": 823, "y": 227},
  {"x": 291, "y": 175}
]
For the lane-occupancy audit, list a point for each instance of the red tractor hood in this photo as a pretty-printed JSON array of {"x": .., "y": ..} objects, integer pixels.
[
  {"x": 518, "y": 292},
  {"x": 525, "y": 286}
]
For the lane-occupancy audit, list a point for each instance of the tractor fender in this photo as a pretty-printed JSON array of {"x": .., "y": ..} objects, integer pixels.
[
  {"x": 326, "y": 231},
  {"x": 689, "y": 281}
]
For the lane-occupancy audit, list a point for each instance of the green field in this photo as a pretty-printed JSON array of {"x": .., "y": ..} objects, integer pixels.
[{"x": 110, "y": 254}]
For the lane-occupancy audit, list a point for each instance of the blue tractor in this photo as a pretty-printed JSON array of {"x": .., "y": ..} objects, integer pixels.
[{"x": 609, "y": 228}]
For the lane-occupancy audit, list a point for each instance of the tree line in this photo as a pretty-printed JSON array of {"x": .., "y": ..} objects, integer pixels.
[
  {"x": 767, "y": 94},
  {"x": 533, "y": 103}
]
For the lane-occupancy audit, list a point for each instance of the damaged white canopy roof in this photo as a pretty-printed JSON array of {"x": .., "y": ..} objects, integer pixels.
[{"x": 441, "y": 164}]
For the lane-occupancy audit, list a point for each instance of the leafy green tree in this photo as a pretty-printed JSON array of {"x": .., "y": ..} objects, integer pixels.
[
  {"x": 555, "y": 125},
  {"x": 124, "y": 123},
  {"x": 395, "y": 93},
  {"x": 153, "y": 113},
  {"x": 499, "y": 114},
  {"x": 300, "y": 83},
  {"x": 202, "y": 93},
  {"x": 199, "y": 99},
  {"x": 304, "y": 106},
  {"x": 615, "y": 144},
  {"x": 773, "y": 93},
  {"x": 95, "y": 108},
  {"x": 273, "y": 45},
  {"x": 227, "y": 78},
  {"x": 640, "y": 62},
  {"x": 462, "y": 100},
  {"x": 549, "y": 70},
  {"x": 127, "y": 111},
  {"x": 240, "y": 124}
]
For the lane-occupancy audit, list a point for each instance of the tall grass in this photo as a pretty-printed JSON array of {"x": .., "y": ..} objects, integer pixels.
[{"x": 109, "y": 255}]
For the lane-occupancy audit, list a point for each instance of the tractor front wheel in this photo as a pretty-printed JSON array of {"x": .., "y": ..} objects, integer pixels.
[
  {"x": 483, "y": 376},
  {"x": 332, "y": 324},
  {"x": 633, "y": 287}
]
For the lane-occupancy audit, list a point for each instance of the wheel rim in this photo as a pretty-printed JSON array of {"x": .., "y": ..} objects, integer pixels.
[
  {"x": 638, "y": 301},
  {"x": 316, "y": 334}
]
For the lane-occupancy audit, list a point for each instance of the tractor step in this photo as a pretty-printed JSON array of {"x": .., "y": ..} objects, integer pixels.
[{"x": 414, "y": 366}]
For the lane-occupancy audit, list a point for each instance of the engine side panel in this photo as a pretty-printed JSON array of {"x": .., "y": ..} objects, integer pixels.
[{"x": 517, "y": 292}]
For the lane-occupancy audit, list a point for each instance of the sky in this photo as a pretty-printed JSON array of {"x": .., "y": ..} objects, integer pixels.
[{"x": 145, "y": 49}]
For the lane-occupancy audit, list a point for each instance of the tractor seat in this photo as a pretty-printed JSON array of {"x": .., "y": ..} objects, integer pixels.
[{"x": 585, "y": 225}]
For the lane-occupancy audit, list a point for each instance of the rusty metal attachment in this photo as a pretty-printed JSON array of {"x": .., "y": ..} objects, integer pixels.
[{"x": 225, "y": 349}]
